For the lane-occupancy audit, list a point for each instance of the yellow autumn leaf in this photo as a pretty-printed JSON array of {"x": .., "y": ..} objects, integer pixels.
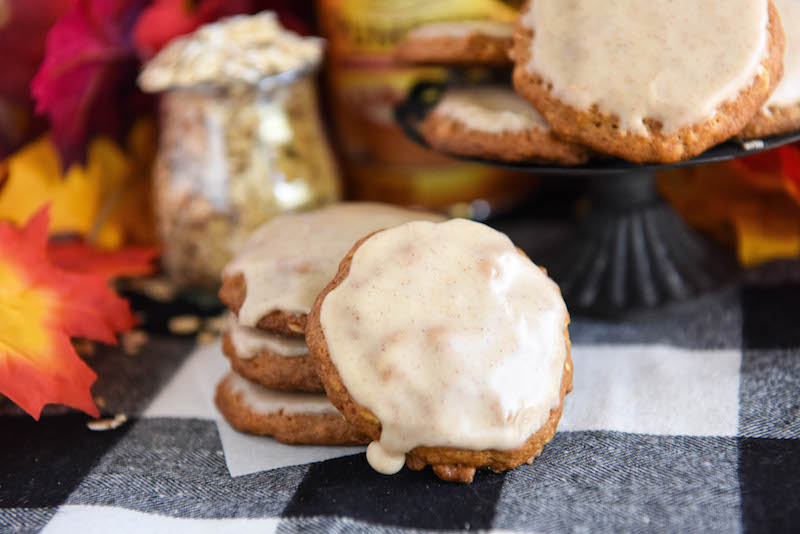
[
  {"x": 133, "y": 210},
  {"x": 105, "y": 200},
  {"x": 767, "y": 231}
]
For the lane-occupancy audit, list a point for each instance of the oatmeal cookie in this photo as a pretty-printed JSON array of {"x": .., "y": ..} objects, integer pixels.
[
  {"x": 496, "y": 123},
  {"x": 468, "y": 42},
  {"x": 446, "y": 346},
  {"x": 644, "y": 81},
  {"x": 293, "y": 418}
]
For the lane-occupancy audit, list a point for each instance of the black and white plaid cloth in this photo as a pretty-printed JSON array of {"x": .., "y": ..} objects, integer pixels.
[{"x": 683, "y": 420}]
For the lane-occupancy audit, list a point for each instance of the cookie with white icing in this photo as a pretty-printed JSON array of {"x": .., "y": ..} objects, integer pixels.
[
  {"x": 281, "y": 268},
  {"x": 495, "y": 123},
  {"x": 233, "y": 294},
  {"x": 446, "y": 346},
  {"x": 781, "y": 113},
  {"x": 272, "y": 360},
  {"x": 465, "y": 42},
  {"x": 648, "y": 81},
  {"x": 293, "y": 418}
]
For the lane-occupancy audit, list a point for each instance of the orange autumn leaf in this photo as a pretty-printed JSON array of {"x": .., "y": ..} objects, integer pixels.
[
  {"x": 42, "y": 306},
  {"x": 767, "y": 231},
  {"x": 743, "y": 203},
  {"x": 77, "y": 256}
]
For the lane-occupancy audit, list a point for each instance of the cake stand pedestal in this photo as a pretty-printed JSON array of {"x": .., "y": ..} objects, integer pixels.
[{"x": 633, "y": 251}]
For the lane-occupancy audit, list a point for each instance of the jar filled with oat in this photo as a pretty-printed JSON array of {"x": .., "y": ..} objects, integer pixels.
[{"x": 240, "y": 139}]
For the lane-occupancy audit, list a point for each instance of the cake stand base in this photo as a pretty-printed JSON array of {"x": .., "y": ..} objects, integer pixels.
[{"x": 632, "y": 251}]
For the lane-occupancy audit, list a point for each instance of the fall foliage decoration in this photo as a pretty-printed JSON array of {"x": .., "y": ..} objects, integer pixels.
[
  {"x": 86, "y": 82},
  {"x": 76, "y": 256},
  {"x": 752, "y": 204},
  {"x": 164, "y": 20},
  {"x": 47, "y": 297},
  {"x": 23, "y": 29},
  {"x": 106, "y": 201},
  {"x": 79, "y": 186},
  {"x": 89, "y": 65}
]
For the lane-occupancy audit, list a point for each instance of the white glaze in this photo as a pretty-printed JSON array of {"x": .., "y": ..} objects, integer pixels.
[
  {"x": 675, "y": 62},
  {"x": 384, "y": 462},
  {"x": 289, "y": 260},
  {"x": 788, "y": 91},
  {"x": 269, "y": 401},
  {"x": 249, "y": 342},
  {"x": 450, "y": 336},
  {"x": 491, "y": 109},
  {"x": 462, "y": 28}
]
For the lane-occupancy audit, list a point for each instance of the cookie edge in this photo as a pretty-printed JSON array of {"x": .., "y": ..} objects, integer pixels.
[
  {"x": 774, "y": 120},
  {"x": 287, "y": 373},
  {"x": 532, "y": 145},
  {"x": 233, "y": 293},
  {"x": 292, "y": 429},
  {"x": 472, "y": 49}
]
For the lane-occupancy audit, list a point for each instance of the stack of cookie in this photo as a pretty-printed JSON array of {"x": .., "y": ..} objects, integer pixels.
[
  {"x": 270, "y": 287},
  {"x": 440, "y": 342},
  {"x": 644, "y": 81}
]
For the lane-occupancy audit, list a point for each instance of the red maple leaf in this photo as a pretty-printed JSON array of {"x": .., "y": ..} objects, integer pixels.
[
  {"x": 42, "y": 306},
  {"x": 23, "y": 28},
  {"x": 166, "y": 19},
  {"x": 790, "y": 167},
  {"x": 764, "y": 163},
  {"x": 88, "y": 73},
  {"x": 22, "y": 36},
  {"x": 77, "y": 256}
]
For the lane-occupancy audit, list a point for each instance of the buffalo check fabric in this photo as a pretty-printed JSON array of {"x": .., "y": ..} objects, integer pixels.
[{"x": 685, "y": 419}]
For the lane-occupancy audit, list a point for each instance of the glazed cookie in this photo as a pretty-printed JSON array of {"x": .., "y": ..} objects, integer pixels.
[
  {"x": 272, "y": 360},
  {"x": 781, "y": 113},
  {"x": 495, "y": 123},
  {"x": 233, "y": 294},
  {"x": 446, "y": 346},
  {"x": 281, "y": 268},
  {"x": 470, "y": 42},
  {"x": 294, "y": 418},
  {"x": 648, "y": 81}
]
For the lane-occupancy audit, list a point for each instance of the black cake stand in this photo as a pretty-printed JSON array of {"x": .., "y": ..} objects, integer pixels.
[{"x": 631, "y": 251}]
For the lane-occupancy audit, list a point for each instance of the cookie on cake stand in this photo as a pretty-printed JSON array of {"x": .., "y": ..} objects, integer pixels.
[{"x": 781, "y": 113}]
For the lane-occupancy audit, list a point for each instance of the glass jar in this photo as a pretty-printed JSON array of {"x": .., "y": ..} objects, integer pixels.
[{"x": 230, "y": 158}]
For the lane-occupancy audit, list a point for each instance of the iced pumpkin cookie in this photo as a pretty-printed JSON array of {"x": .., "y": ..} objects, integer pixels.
[
  {"x": 781, "y": 113},
  {"x": 648, "y": 81},
  {"x": 294, "y": 418},
  {"x": 495, "y": 123},
  {"x": 281, "y": 268},
  {"x": 272, "y": 360},
  {"x": 469, "y": 42},
  {"x": 446, "y": 346}
]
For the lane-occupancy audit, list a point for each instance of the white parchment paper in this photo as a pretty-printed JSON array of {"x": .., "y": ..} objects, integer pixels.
[{"x": 190, "y": 394}]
